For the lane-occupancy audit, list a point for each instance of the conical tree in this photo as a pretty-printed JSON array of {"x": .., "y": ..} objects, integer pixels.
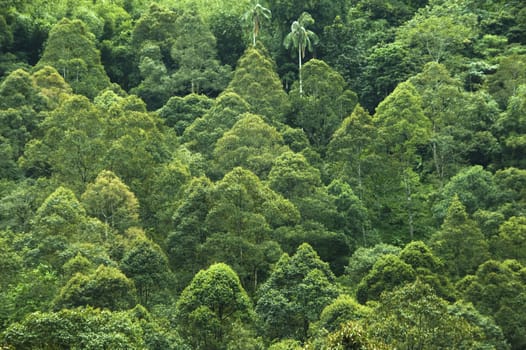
[
  {"x": 460, "y": 243},
  {"x": 72, "y": 51},
  {"x": 301, "y": 39}
]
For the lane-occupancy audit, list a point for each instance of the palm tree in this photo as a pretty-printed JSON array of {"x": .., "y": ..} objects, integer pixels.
[
  {"x": 301, "y": 38},
  {"x": 255, "y": 15}
]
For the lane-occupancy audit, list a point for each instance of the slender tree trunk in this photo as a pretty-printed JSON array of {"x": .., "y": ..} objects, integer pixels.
[{"x": 299, "y": 68}]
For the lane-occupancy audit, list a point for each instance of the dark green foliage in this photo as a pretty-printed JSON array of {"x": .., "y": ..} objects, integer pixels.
[{"x": 295, "y": 294}]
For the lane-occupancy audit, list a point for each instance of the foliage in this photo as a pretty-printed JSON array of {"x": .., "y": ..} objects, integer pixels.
[{"x": 155, "y": 153}]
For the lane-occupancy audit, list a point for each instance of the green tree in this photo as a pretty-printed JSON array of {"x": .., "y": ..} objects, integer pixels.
[
  {"x": 110, "y": 200},
  {"x": 89, "y": 328},
  {"x": 180, "y": 112},
  {"x": 388, "y": 272},
  {"x": 255, "y": 16},
  {"x": 194, "y": 52},
  {"x": 72, "y": 51},
  {"x": 257, "y": 82},
  {"x": 106, "y": 287},
  {"x": 210, "y": 305},
  {"x": 342, "y": 310},
  {"x": 403, "y": 128},
  {"x": 324, "y": 103},
  {"x": 202, "y": 135},
  {"x": 511, "y": 241},
  {"x": 61, "y": 214},
  {"x": 70, "y": 147},
  {"x": 459, "y": 242},
  {"x": 511, "y": 127},
  {"x": 147, "y": 266},
  {"x": 498, "y": 290},
  {"x": 251, "y": 144},
  {"x": 295, "y": 294},
  {"x": 364, "y": 258},
  {"x": 475, "y": 188},
  {"x": 414, "y": 317},
  {"x": 302, "y": 39}
]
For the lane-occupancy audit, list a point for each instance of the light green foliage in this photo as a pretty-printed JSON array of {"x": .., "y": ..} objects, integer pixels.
[
  {"x": 70, "y": 147},
  {"x": 110, "y": 200},
  {"x": 498, "y": 290},
  {"x": 210, "y": 305},
  {"x": 403, "y": 128},
  {"x": 413, "y": 316},
  {"x": 194, "y": 53},
  {"x": 351, "y": 335},
  {"x": 436, "y": 33},
  {"x": 71, "y": 50},
  {"x": 203, "y": 133},
  {"x": 88, "y": 328},
  {"x": 293, "y": 176},
  {"x": 106, "y": 287},
  {"x": 323, "y": 104},
  {"x": 459, "y": 242},
  {"x": 256, "y": 81},
  {"x": 251, "y": 144},
  {"x": 342, "y": 310},
  {"x": 511, "y": 127},
  {"x": 295, "y": 294},
  {"x": 511, "y": 241},
  {"x": 350, "y": 149},
  {"x": 61, "y": 214}
]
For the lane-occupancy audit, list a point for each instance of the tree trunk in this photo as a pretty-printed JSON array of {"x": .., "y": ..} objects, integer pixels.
[{"x": 299, "y": 68}]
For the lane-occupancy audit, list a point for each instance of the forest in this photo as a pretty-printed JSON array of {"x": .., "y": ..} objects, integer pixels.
[{"x": 273, "y": 174}]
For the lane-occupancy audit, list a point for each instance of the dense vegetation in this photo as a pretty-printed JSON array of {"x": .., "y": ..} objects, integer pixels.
[{"x": 326, "y": 174}]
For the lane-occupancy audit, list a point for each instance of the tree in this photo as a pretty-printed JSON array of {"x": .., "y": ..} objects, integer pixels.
[
  {"x": 210, "y": 305},
  {"x": 511, "y": 241},
  {"x": 256, "y": 15},
  {"x": 257, "y": 82},
  {"x": 91, "y": 329},
  {"x": 498, "y": 290},
  {"x": 364, "y": 258},
  {"x": 295, "y": 294},
  {"x": 110, "y": 200},
  {"x": 147, "y": 266},
  {"x": 403, "y": 128},
  {"x": 70, "y": 147},
  {"x": 301, "y": 39},
  {"x": 350, "y": 151},
  {"x": 324, "y": 103},
  {"x": 195, "y": 54},
  {"x": 414, "y": 317},
  {"x": 251, "y": 144},
  {"x": 459, "y": 243},
  {"x": 106, "y": 287},
  {"x": 71, "y": 50},
  {"x": 180, "y": 112},
  {"x": 388, "y": 272}
]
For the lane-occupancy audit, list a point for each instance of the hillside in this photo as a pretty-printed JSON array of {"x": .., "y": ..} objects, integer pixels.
[{"x": 270, "y": 174}]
